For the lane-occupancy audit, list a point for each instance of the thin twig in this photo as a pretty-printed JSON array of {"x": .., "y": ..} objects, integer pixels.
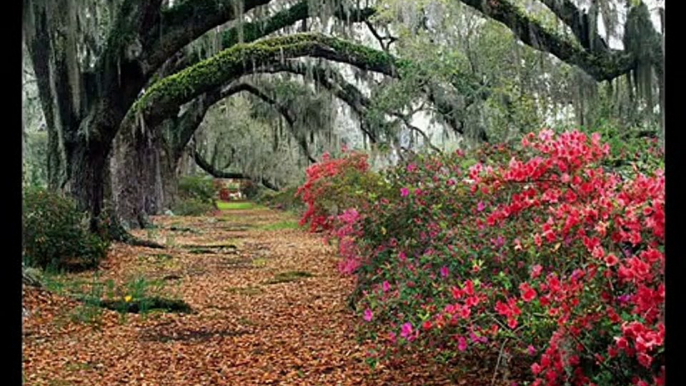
[{"x": 497, "y": 363}]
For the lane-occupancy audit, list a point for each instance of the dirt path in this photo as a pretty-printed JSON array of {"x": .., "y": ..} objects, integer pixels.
[{"x": 269, "y": 308}]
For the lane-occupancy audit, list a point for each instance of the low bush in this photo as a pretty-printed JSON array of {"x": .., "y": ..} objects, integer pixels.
[
  {"x": 198, "y": 188},
  {"x": 192, "y": 207},
  {"x": 284, "y": 199},
  {"x": 540, "y": 250},
  {"x": 56, "y": 235},
  {"x": 251, "y": 190}
]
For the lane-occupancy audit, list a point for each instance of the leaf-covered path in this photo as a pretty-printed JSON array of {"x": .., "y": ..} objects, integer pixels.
[{"x": 269, "y": 307}]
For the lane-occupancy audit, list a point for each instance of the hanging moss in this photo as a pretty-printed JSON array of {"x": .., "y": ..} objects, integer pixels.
[
  {"x": 642, "y": 41},
  {"x": 228, "y": 64}
]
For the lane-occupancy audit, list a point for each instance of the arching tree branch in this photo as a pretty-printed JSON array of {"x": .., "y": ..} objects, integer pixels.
[
  {"x": 600, "y": 65},
  {"x": 211, "y": 170},
  {"x": 257, "y": 29},
  {"x": 164, "y": 97}
]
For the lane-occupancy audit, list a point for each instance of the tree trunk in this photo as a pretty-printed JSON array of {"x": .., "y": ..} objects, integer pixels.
[
  {"x": 169, "y": 164},
  {"x": 143, "y": 175},
  {"x": 86, "y": 165}
]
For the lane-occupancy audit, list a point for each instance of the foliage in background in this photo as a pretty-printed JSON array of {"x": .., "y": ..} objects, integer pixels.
[
  {"x": 55, "y": 233},
  {"x": 198, "y": 187},
  {"x": 192, "y": 207},
  {"x": 537, "y": 250},
  {"x": 197, "y": 196},
  {"x": 34, "y": 160},
  {"x": 284, "y": 199}
]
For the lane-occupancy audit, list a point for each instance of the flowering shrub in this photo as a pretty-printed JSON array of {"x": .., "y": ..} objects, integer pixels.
[
  {"x": 333, "y": 185},
  {"x": 538, "y": 250}
]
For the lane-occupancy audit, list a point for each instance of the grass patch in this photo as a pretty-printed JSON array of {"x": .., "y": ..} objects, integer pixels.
[
  {"x": 287, "y": 224},
  {"x": 136, "y": 295},
  {"x": 242, "y": 205},
  {"x": 245, "y": 290},
  {"x": 78, "y": 366},
  {"x": 201, "y": 251},
  {"x": 289, "y": 276},
  {"x": 259, "y": 262},
  {"x": 176, "y": 228},
  {"x": 245, "y": 321},
  {"x": 211, "y": 249},
  {"x": 136, "y": 306}
]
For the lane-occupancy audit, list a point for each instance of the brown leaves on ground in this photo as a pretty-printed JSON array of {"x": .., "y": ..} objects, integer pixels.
[{"x": 269, "y": 311}]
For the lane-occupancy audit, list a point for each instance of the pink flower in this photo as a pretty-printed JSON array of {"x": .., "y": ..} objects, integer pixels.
[
  {"x": 411, "y": 168},
  {"x": 402, "y": 256},
  {"x": 480, "y": 206},
  {"x": 404, "y": 192},
  {"x": 386, "y": 286},
  {"x": 528, "y": 293},
  {"x": 531, "y": 350},
  {"x": 461, "y": 343},
  {"x": 406, "y": 330},
  {"x": 536, "y": 368},
  {"x": 611, "y": 260},
  {"x": 445, "y": 271},
  {"x": 368, "y": 315}
]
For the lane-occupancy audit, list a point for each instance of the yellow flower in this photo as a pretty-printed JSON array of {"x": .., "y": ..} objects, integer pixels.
[{"x": 127, "y": 298}]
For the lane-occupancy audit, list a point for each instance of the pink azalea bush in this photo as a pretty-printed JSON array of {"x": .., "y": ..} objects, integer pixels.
[{"x": 539, "y": 249}]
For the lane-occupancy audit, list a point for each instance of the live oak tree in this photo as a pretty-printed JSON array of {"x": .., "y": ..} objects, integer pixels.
[
  {"x": 140, "y": 75},
  {"x": 88, "y": 83}
]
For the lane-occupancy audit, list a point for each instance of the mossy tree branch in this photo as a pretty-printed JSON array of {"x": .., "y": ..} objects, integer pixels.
[
  {"x": 187, "y": 21},
  {"x": 263, "y": 27},
  {"x": 214, "y": 172},
  {"x": 579, "y": 22},
  {"x": 600, "y": 65},
  {"x": 164, "y": 97}
]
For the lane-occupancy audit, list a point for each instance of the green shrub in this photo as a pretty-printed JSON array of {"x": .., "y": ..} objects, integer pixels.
[
  {"x": 284, "y": 199},
  {"x": 199, "y": 188},
  {"x": 251, "y": 190},
  {"x": 192, "y": 207},
  {"x": 55, "y": 233}
]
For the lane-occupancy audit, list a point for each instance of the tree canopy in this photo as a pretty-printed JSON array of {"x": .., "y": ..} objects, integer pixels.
[{"x": 267, "y": 87}]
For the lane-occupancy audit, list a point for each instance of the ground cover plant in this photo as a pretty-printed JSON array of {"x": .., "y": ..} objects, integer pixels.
[{"x": 535, "y": 250}]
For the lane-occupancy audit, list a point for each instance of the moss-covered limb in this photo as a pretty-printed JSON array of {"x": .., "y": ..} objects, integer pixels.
[
  {"x": 258, "y": 29},
  {"x": 164, "y": 97},
  {"x": 187, "y": 21},
  {"x": 579, "y": 22},
  {"x": 601, "y": 66},
  {"x": 214, "y": 172}
]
